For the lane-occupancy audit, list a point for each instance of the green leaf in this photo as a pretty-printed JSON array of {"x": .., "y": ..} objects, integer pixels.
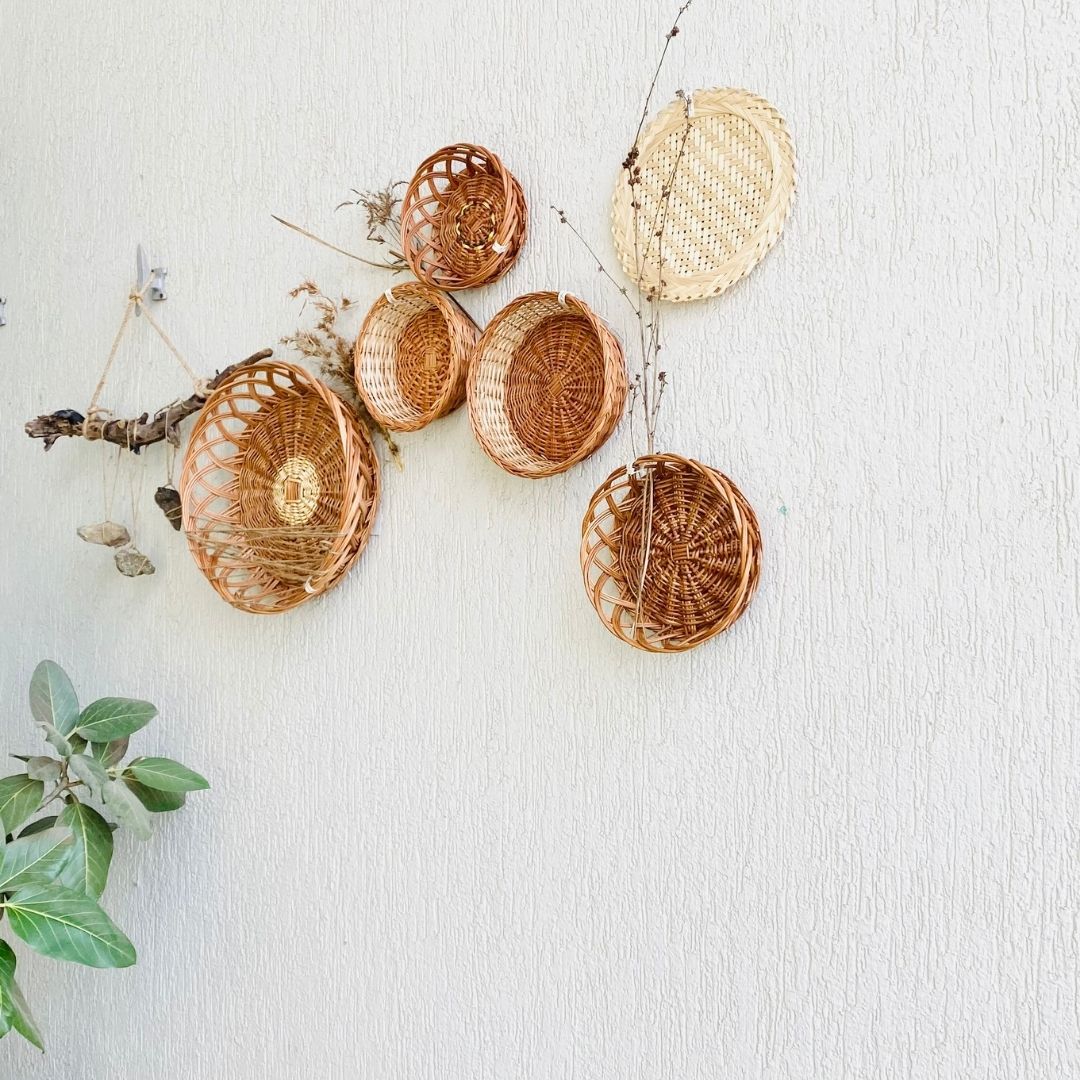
[
  {"x": 78, "y": 743},
  {"x": 56, "y": 740},
  {"x": 91, "y": 772},
  {"x": 157, "y": 802},
  {"x": 88, "y": 868},
  {"x": 12, "y": 1003},
  {"x": 65, "y": 925},
  {"x": 52, "y": 697},
  {"x": 111, "y": 718},
  {"x": 19, "y": 798},
  {"x": 110, "y": 753},
  {"x": 162, "y": 774},
  {"x": 38, "y": 826},
  {"x": 127, "y": 808},
  {"x": 43, "y": 768},
  {"x": 35, "y": 860}
]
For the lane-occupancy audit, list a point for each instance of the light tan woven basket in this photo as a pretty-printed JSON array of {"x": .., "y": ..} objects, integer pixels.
[
  {"x": 463, "y": 218},
  {"x": 412, "y": 355},
  {"x": 703, "y": 561},
  {"x": 280, "y": 487},
  {"x": 546, "y": 386},
  {"x": 730, "y": 194}
]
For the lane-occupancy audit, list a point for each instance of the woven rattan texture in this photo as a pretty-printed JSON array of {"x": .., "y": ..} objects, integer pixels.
[
  {"x": 463, "y": 218},
  {"x": 730, "y": 194},
  {"x": 547, "y": 384},
  {"x": 412, "y": 356},
  {"x": 703, "y": 561},
  {"x": 280, "y": 487}
]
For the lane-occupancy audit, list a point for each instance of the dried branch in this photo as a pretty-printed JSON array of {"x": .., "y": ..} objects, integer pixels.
[
  {"x": 383, "y": 212},
  {"x": 134, "y": 434}
]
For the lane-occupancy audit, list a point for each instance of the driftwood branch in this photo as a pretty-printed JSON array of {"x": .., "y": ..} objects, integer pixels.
[{"x": 136, "y": 433}]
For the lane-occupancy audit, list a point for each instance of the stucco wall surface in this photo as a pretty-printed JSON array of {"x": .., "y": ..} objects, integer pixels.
[{"x": 457, "y": 830}]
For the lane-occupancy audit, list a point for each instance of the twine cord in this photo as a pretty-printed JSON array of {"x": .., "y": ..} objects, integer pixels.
[{"x": 136, "y": 299}]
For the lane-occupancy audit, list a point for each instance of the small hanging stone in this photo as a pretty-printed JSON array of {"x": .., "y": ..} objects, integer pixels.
[
  {"x": 131, "y": 562},
  {"x": 105, "y": 532},
  {"x": 168, "y": 498}
]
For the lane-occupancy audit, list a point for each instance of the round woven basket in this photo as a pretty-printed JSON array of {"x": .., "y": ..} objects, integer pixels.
[
  {"x": 279, "y": 488},
  {"x": 731, "y": 192},
  {"x": 547, "y": 384},
  {"x": 463, "y": 218},
  {"x": 702, "y": 565},
  {"x": 412, "y": 355}
]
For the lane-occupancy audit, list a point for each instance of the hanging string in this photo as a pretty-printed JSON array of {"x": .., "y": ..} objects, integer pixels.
[{"x": 136, "y": 300}]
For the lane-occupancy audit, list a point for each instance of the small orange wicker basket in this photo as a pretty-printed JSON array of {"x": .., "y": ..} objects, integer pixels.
[
  {"x": 280, "y": 487},
  {"x": 412, "y": 355},
  {"x": 463, "y": 218},
  {"x": 547, "y": 384},
  {"x": 670, "y": 553}
]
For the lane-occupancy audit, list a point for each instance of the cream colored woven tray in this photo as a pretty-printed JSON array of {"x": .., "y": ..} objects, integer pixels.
[{"x": 730, "y": 195}]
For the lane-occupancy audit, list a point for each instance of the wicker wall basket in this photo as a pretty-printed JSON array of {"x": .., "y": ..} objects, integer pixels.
[
  {"x": 703, "y": 562},
  {"x": 280, "y": 487},
  {"x": 547, "y": 384},
  {"x": 730, "y": 194},
  {"x": 412, "y": 355},
  {"x": 463, "y": 218}
]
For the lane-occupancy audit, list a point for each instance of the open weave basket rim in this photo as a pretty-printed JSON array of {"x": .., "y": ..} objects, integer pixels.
[
  {"x": 462, "y": 333},
  {"x": 614, "y": 376},
  {"x": 772, "y": 128},
  {"x": 615, "y": 603},
  {"x": 345, "y": 547},
  {"x": 510, "y": 235}
]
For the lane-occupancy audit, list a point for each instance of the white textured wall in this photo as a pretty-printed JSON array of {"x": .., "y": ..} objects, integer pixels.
[{"x": 458, "y": 831}]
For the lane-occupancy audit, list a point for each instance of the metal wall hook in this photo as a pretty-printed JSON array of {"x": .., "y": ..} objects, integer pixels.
[
  {"x": 145, "y": 272},
  {"x": 3, "y": 311}
]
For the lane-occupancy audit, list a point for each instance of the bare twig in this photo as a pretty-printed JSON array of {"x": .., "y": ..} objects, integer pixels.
[{"x": 136, "y": 433}]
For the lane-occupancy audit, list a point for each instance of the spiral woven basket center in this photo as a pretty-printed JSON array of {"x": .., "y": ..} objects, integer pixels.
[
  {"x": 422, "y": 371},
  {"x": 555, "y": 386},
  {"x": 296, "y": 490},
  {"x": 695, "y": 565},
  {"x": 470, "y": 219}
]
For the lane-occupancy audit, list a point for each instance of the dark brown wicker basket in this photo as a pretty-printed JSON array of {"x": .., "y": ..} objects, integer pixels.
[
  {"x": 699, "y": 569},
  {"x": 463, "y": 218}
]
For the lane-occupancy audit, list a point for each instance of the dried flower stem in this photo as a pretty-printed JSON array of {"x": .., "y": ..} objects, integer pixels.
[
  {"x": 383, "y": 210},
  {"x": 650, "y": 383},
  {"x": 334, "y": 354}
]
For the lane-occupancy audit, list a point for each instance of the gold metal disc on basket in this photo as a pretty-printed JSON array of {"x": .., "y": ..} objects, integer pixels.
[
  {"x": 731, "y": 181},
  {"x": 280, "y": 487}
]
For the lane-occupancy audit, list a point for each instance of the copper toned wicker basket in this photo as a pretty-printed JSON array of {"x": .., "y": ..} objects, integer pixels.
[
  {"x": 463, "y": 218},
  {"x": 279, "y": 488},
  {"x": 412, "y": 355},
  {"x": 698, "y": 573},
  {"x": 547, "y": 384},
  {"x": 729, "y": 182}
]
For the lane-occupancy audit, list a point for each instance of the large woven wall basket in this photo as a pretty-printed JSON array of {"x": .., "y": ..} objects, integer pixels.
[
  {"x": 463, "y": 218},
  {"x": 412, "y": 355},
  {"x": 732, "y": 181},
  {"x": 703, "y": 561},
  {"x": 280, "y": 488},
  {"x": 547, "y": 384}
]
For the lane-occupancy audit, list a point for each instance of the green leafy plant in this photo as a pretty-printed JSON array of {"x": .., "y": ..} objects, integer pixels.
[{"x": 54, "y": 866}]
